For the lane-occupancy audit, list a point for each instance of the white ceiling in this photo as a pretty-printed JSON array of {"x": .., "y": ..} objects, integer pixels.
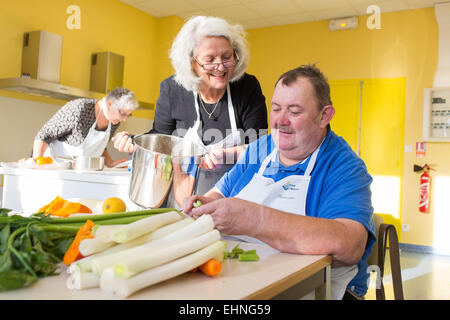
[{"x": 265, "y": 13}]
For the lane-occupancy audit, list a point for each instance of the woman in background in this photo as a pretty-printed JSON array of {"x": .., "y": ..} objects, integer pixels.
[{"x": 83, "y": 127}]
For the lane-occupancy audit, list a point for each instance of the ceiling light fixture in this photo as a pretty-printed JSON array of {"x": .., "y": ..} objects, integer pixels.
[{"x": 343, "y": 23}]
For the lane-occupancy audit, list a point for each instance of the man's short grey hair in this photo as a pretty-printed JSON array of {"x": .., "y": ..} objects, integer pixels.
[
  {"x": 184, "y": 47},
  {"x": 123, "y": 99}
]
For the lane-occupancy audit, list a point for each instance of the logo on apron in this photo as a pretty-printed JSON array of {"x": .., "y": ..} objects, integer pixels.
[{"x": 289, "y": 186}]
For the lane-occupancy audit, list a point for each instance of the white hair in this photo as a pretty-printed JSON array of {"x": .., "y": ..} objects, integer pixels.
[
  {"x": 184, "y": 47},
  {"x": 123, "y": 99}
]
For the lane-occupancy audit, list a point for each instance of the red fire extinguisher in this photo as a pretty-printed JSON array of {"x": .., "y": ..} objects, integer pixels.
[{"x": 425, "y": 183}]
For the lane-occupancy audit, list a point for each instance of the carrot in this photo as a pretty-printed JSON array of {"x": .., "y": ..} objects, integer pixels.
[
  {"x": 211, "y": 267},
  {"x": 73, "y": 253}
]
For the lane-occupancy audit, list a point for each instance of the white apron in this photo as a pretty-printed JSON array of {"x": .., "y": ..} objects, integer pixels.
[
  {"x": 289, "y": 195},
  {"x": 206, "y": 179},
  {"x": 93, "y": 145},
  {"x": 193, "y": 134}
]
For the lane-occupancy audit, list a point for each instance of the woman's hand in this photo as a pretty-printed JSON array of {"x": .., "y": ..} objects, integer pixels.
[
  {"x": 123, "y": 142},
  {"x": 212, "y": 160},
  {"x": 116, "y": 162},
  {"x": 217, "y": 158}
]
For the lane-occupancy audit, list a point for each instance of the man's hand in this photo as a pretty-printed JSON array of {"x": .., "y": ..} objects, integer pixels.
[
  {"x": 188, "y": 204},
  {"x": 231, "y": 215}
]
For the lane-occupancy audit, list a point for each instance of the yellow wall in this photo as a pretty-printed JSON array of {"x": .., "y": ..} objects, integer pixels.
[
  {"x": 105, "y": 26},
  {"x": 405, "y": 46}
]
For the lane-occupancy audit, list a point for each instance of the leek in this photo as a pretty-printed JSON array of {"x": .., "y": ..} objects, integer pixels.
[
  {"x": 91, "y": 246},
  {"x": 136, "y": 229},
  {"x": 126, "y": 287},
  {"x": 147, "y": 258},
  {"x": 104, "y": 232},
  {"x": 82, "y": 280},
  {"x": 200, "y": 226},
  {"x": 107, "y": 280},
  {"x": 85, "y": 264}
]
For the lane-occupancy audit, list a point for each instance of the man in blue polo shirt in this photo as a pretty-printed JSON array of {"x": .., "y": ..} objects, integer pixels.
[{"x": 301, "y": 189}]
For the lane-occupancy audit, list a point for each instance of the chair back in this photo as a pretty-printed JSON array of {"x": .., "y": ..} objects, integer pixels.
[{"x": 373, "y": 259}]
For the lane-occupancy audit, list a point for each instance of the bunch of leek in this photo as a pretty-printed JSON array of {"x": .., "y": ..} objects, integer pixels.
[
  {"x": 146, "y": 252},
  {"x": 32, "y": 247}
]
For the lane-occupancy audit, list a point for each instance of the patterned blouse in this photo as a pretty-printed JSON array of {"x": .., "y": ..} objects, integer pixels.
[{"x": 71, "y": 123}]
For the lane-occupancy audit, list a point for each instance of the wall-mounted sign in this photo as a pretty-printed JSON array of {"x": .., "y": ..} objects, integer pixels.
[{"x": 421, "y": 149}]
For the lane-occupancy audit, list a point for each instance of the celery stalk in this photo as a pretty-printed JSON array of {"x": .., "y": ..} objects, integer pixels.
[{"x": 110, "y": 216}]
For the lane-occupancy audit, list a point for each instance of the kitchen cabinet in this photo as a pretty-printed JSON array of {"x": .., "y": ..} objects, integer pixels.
[
  {"x": 27, "y": 190},
  {"x": 370, "y": 117}
]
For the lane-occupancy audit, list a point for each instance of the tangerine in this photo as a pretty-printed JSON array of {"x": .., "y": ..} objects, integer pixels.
[
  {"x": 40, "y": 160},
  {"x": 48, "y": 160}
]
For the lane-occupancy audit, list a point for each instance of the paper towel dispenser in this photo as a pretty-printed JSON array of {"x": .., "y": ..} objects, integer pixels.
[{"x": 106, "y": 71}]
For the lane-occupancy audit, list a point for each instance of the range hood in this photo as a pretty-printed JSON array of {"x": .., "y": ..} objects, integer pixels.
[
  {"x": 40, "y": 74},
  {"x": 46, "y": 88}
]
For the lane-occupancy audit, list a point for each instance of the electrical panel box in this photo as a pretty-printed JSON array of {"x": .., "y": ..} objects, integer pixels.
[
  {"x": 106, "y": 71},
  {"x": 436, "y": 114}
]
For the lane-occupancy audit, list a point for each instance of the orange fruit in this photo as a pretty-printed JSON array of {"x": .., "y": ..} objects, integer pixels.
[
  {"x": 113, "y": 204},
  {"x": 40, "y": 160},
  {"x": 48, "y": 160}
]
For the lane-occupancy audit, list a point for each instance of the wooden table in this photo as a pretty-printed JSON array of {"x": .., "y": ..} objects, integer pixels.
[{"x": 267, "y": 278}]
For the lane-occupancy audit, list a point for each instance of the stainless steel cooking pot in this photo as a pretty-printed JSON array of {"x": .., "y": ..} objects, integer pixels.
[
  {"x": 85, "y": 163},
  {"x": 156, "y": 159}
]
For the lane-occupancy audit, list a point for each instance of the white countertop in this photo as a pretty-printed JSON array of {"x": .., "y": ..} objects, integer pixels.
[
  {"x": 263, "y": 279},
  {"x": 107, "y": 175},
  {"x": 26, "y": 190}
]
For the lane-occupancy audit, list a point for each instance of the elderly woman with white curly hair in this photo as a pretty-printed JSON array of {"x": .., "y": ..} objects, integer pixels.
[{"x": 210, "y": 96}]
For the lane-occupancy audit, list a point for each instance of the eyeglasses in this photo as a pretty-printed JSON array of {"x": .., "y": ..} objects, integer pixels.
[
  {"x": 214, "y": 66},
  {"x": 123, "y": 114}
]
